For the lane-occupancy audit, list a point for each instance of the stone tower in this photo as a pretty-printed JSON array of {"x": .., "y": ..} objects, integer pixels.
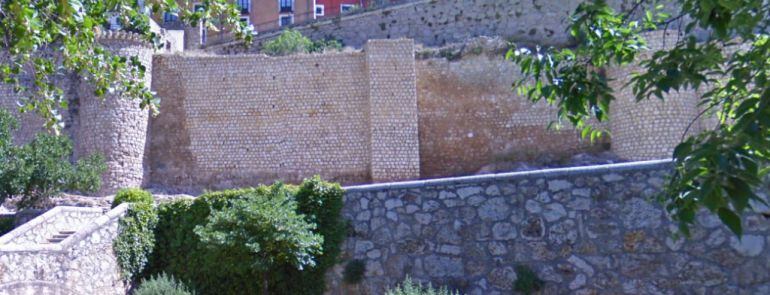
[{"x": 115, "y": 125}]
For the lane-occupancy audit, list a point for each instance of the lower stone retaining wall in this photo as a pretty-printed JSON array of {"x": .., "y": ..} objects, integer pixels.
[{"x": 583, "y": 230}]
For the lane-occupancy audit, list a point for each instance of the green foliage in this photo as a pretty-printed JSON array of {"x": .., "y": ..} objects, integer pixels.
[
  {"x": 408, "y": 287},
  {"x": 41, "y": 169},
  {"x": 35, "y": 29},
  {"x": 718, "y": 169},
  {"x": 162, "y": 284},
  {"x": 132, "y": 195},
  {"x": 6, "y": 225},
  {"x": 321, "y": 203},
  {"x": 212, "y": 268},
  {"x": 354, "y": 271},
  {"x": 292, "y": 42},
  {"x": 263, "y": 230},
  {"x": 527, "y": 281},
  {"x": 136, "y": 240}
]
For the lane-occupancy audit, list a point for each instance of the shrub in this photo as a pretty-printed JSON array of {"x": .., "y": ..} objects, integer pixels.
[
  {"x": 212, "y": 269},
  {"x": 265, "y": 231},
  {"x": 6, "y": 225},
  {"x": 527, "y": 281},
  {"x": 162, "y": 284},
  {"x": 293, "y": 42},
  {"x": 354, "y": 271},
  {"x": 407, "y": 287},
  {"x": 41, "y": 169},
  {"x": 321, "y": 203},
  {"x": 132, "y": 195},
  {"x": 136, "y": 240}
]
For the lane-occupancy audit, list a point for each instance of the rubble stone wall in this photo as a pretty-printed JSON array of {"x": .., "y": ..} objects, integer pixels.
[
  {"x": 51, "y": 223},
  {"x": 83, "y": 263},
  {"x": 582, "y": 230},
  {"x": 435, "y": 23}
]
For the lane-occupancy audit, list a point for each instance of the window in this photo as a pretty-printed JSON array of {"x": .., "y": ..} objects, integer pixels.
[
  {"x": 199, "y": 7},
  {"x": 285, "y": 20},
  {"x": 347, "y": 7},
  {"x": 170, "y": 17},
  {"x": 286, "y": 5},
  {"x": 245, "y": 6},
  {"x": 245, "y": 20},
  {"x": 319, "y": 10}
]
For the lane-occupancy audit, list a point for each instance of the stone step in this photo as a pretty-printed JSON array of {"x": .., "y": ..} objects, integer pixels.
[{"x": 57, "y": 238}]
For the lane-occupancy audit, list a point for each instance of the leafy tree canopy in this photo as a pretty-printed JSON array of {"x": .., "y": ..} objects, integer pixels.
[
  {"x": 718, "y": 169},
  {"x": 43, "y": 39}
]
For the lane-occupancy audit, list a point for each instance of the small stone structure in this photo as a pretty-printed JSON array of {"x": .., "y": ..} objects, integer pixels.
[
  {"x": 67, "y": 250},
  {"x": 583, "y": 230}
]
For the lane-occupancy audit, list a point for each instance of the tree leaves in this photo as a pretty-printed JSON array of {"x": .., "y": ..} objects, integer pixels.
[
  {"x": 49, "y": 38},
  {"x": 717, "y": 169}
]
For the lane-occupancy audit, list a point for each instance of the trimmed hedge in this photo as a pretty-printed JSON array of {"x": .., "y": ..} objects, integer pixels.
[
  {"x": 212, "y": 270},
  {"x": 132, "y": 195}
]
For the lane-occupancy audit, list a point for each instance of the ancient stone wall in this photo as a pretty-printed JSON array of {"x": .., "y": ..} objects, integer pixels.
[
  {"x": 650, "y": 129},
  {"x": 393, "y": 110},
  {"x": 470, "y": 117},
  {"x": 115, "y": 125},
  {"x": 582, "y": 230},
  {"x": 242, "y": 120}
]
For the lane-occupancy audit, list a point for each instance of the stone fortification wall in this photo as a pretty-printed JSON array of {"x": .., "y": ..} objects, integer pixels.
[
  {"x": 470, "y": 116},
  {"x": 393, "y": 110},
  {"x": 582, "y": 230},
  {"x": 115, "y": 125},
  {"x": 650, "y": 129},
  {"x": 241, "y": 120},
  {"x": 83, "y": 263}
]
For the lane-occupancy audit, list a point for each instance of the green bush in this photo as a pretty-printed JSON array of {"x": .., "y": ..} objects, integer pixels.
[
  {"x": 293, "y": 42},
  {"x": 132, "y": 195},
  {"x": 162, "y": 284},
  {"x": 265, "y": 231},
  {"x": 354, "y": 271},
  {"x": 6, "y": 225},
  {"x": 136, "y": 239},
  {"x": 527, "y": 281},
  {"x": 321, "y": 203},
  {"x": 408, "y": 287},
  {"x": 41, "y": 169},
  {"x": 214, "y": 270}
]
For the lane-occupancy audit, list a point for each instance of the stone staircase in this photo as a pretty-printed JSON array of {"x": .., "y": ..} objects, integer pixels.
[
  {"x": 63, "y": 234},
  {"x": 67, "y": 250}
]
